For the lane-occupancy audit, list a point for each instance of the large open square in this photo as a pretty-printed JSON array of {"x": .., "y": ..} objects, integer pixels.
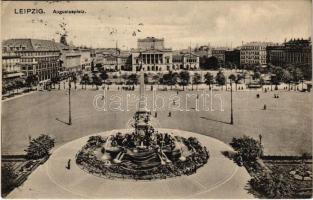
[
  {"x": 285, "y": 125},
  {"x": 156, "y": 99}
]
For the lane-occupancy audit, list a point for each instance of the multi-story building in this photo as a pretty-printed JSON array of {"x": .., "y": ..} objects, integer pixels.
[
  {"x": 232, "y": 57},
  {"x": 37, "y": 57},
  {"x": 11, "y": 67},
  {"x": 254, "y": 53},
  {"x": 152, "y": 55},
  {"x": 297, "y": 52},
  {"x": 276, "y": 55},
  {"x": 150, "y": 43},
  {"x": 203, "y": 51},
  {"x": 71, "y": 61},
  {"x": 119, "y": 60},
  {"x": 85, "y": 59},
  {"x": 219, "y": 53},
  {"x": 186, "y": 61},
  {"x": 152, "y": 60}
]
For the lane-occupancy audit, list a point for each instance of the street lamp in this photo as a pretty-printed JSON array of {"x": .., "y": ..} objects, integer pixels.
[
  {"x": 231, "y": 103},
  {"x": 69, "y": 102}
]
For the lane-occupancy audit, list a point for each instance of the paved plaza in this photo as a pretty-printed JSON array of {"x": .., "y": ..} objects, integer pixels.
[
  {"x": 285, "y": 125},
  {"x": 219, "y": 177}
]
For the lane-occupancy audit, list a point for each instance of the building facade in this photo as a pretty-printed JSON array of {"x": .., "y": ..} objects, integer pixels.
[
  {"x": 186, "y": 61},
  {"x": 151, "y": 55},
  {"x": 254, "y": 53},
  {"x": 232, "y": 57},
  {"x": 11, "y": 67},
  {"x": 297, "y": 52},
  {"x": 72, "y": 61},
  {"x": 152, "y": 60},
  {"x": 219, "y": 53},
  {"x": 275, "y": 55},
  {"x": 85, "y": 59},
  {"x": 37, "y": 57},
  {"x": 150, "y": 43}
]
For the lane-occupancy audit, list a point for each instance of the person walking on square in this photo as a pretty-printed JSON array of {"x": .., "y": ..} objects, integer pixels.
[
  {"x": 155, "y": 114},
  {"x": 68, "y": 164},
  {"x": 264, "y": 107},
  {"x": 170, "y": 114}
]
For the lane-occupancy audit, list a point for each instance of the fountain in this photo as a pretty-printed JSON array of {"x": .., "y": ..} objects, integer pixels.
[{"x": 142, "y": 154}]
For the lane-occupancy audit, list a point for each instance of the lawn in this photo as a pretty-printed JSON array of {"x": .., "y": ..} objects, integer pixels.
[{"x": 285, "y": 125}]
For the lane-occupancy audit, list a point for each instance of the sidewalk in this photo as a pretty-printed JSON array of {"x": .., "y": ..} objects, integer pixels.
[{"x": 18, "y": 96}]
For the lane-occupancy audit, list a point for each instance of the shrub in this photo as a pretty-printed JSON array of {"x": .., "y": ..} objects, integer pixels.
[
  {"x": 272, "y": 185},
  {"x": 247, "y": 147},
  {"x": 95, "y": 140},
  {"x": 8, "y": 177}
]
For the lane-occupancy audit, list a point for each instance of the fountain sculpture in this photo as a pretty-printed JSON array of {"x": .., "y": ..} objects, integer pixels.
[{"x": 142, "y": 154}]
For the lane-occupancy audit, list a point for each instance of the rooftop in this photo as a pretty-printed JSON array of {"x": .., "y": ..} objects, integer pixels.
[
  {"x": 150, "y": 39},
  {"x": 28, "y": 44}
]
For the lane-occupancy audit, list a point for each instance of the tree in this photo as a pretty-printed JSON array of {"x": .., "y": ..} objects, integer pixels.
[
  {"x": 133, "y": 78},
  {"x": 238, "y": 79},
  {"x": 184, "y": 78},
  {"x": 209, "y": 78},
  {"x": 286, "y": 77},
  {"x": 39, "y": 147},
  {"x": 297, "y": 76},
  {"x": 19, "y": 83},
  {"x": 103, "y": 75},
  {"x": 213, "y": 63},
  {"x": 262, "y": 82},
  {"x": 278, "y": 71},
  {"x": 196, "y": 79},
  {"x": 96, "y": 80},
  {"x": 274, "y": 80},
  {"x": 220, "y": 78},
  {"x": 169, "y": 79},
  {"x": 55, "y": 80},
  {"x": 85, "y": 80},
  {"x": 31, "y": 80},
  {"x": 256, "y": 75},
  {"x": 74, "y": 79},
  {"x": 233, "y": 79}
]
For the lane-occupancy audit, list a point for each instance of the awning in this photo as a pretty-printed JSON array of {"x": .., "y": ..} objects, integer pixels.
[{"x": 13, "y": 75}]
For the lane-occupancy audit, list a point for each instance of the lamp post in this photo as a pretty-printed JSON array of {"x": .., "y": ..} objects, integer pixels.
[
  {"x": 231, "y": 103},
  {"x": 69, "y": 102}
]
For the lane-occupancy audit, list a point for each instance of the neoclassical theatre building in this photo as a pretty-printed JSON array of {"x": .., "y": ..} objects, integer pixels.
[{"x": 152, "y": 55}]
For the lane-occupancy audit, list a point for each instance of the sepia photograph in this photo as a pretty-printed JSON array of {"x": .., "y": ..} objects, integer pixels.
[{"x": 156, "y": 99}]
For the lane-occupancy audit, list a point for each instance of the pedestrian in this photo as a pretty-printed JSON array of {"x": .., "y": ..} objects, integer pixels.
[
  {"x": 264, "y": 107},
  {"x": 170, "y": 114},
  {"x": 177, "y": 92},
  {"x": 69, "y": 164},
  {"x": 257, "y": 96},
  {"x": 155, "y": 114}
]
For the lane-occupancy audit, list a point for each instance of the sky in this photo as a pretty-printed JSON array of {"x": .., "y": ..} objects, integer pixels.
[{"x": 180, "y": 23}]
